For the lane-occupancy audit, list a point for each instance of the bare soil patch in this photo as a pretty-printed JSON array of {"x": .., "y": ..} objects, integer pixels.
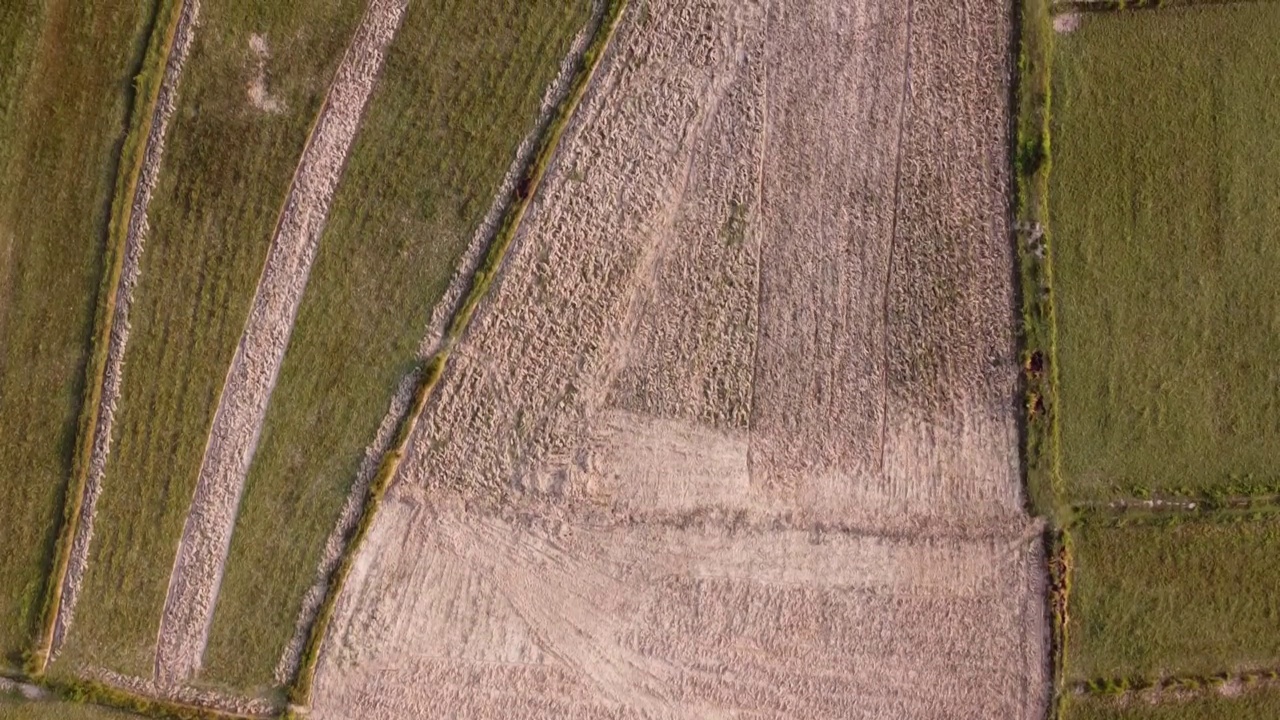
[
  {"x": 197, "y": 571},
  {"x": 735, "y": 429}
]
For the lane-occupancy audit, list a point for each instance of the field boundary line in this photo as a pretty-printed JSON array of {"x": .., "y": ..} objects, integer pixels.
[
  {"x": 156, "y": 82},
  {"x": 196, "y": 577},
  {"x": 300, "y": 690},
  {"x": 1120, "y": 6}
]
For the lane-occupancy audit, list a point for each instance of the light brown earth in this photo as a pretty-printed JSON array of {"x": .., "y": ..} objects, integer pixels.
[
  {"x": 734, "y": 433},
  {"x": 135, "y": 241},
  {"x": 206, "y": 536}
]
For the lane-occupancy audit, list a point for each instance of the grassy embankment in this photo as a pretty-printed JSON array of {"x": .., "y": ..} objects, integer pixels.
[
  {"x": 460, "y": 88},
  {"x": 429, "y": 373},
  {"x": 211, "y": 225},
  {"x": 65, "y": 97},
  {"x": 12, "y": 708},
  {"x": 1166, "y": 203}
]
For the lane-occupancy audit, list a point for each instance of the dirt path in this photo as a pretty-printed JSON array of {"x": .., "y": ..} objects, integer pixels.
[
  {"x": 135, "y": 240},
  {"x": 432, "y": 342},
  {"x": 197, "y": 571}
]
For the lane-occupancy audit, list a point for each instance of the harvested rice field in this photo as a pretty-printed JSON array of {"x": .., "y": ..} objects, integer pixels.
[{"x": 1165, "y": 210}]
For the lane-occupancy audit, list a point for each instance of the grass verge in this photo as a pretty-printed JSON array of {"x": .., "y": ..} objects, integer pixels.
[
  {"x": 70, "y": 110},
  {"x": 1166, "y": 203},
  {"x": 300, "y": 691},
  {"x": 460, "y": 88},
  {"x": 211, "y": 225}
]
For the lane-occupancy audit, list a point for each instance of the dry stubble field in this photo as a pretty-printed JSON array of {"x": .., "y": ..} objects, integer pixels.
[{"x": 735, "y": 429}]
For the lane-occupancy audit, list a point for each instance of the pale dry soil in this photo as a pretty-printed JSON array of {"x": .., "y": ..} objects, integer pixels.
[{"x": 734, "y": 432}]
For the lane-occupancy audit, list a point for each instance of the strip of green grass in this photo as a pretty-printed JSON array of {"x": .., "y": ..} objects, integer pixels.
[
  {"x": 461, "y": 86},
  {"x": 1165, "y": 201},
  {"x": 227, "y": 168},
  {"x": 64, "y": 102},
  {"x": 1151, "y": 600},
  {"x": 1252, "y": 705}
]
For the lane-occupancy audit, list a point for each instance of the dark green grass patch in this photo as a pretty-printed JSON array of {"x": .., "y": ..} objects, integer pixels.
[
  {"x": 1156, "y": 599},
  {"x": 460, "y": 88},
  {"x": 1165, "y": 206},
  {"x": 226, "y": 171},
  {"x": 1251, "y": 704},
  {"x": 65, "y": 94}
]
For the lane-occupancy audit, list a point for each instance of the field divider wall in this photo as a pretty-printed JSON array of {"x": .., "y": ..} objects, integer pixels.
[
  {"x": 143, "y": 146},
  {"x": 198, "y": 566},
  {"x": 1031, "y": 156},
  {"x": 432, "y": 370}
]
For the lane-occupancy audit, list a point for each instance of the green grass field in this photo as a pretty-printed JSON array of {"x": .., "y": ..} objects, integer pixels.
[
  {"x": 1253, "y": 704},
  {"x": 65, "y": 98},
  {"x": 1195, "y": 598},
  {"x": 227, "y": 168},
  {"x": 461, "y": 86},
  {"x": 1165, "y": 209}
]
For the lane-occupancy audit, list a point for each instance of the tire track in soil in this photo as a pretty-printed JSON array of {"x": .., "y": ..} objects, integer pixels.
[
  {"x": 118, "y": 339},
  {"x": 206, "y": 537}
]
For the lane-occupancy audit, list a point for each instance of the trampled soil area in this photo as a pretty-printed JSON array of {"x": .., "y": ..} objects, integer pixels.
[{"x": 735, "y": 430}]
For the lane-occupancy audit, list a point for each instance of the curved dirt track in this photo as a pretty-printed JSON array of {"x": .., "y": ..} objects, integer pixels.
[
  {"x": 441, "y": 314},
  {"x": 735, "y": 430},
  {"x": 135, "y": 239},
  {"x": 206, "y": 537}
]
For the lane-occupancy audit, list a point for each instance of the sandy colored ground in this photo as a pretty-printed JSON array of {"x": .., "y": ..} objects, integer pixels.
[
  {"x": 197, "y": 572},
  {"x": 734, "y": 433},
  {"x": 135, "y": 240}
]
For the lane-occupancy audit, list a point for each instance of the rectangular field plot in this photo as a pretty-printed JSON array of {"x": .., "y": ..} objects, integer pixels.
[
  {"x": 461, "y": 86},
  {"x": 1165, "y": 207},
  {"x": 1229, "y": 703},
  {"x": 1152, "y": 600},
  {"x": 64, "y": 70}
]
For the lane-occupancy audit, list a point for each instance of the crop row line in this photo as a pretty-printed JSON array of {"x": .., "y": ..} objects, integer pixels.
[{"x": 432, "y": 370}]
